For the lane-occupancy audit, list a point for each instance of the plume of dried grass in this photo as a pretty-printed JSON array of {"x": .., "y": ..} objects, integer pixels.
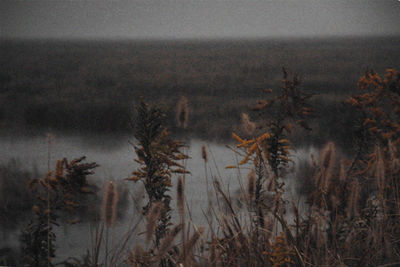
[
  {"x": 271, "y": 185},
  {"x": 342, "y": 172},
  {"x": 214, "y": 253},
  {"x": 168, "y": 241},
  {"x": 251, "y": 185},
  {"x": 352, "y": 205},
  {"x": 182, "y": 112},
  {"x": 394, "y": 160},
  {"x": 152, "y": 218},
  {"x": 261, "y": 221},
  {"x": 248, "y": 126},
  {"x": 204, "y": 153},
  {"x": 180, "y": 193},
  {"x": 269, "y": 227},
  {"x": 379, "y": 170},
  {"x": 191, "y": 243},
  {"x": 137, "y": 257},
  {"x": 109, "y": 207},
  {"x": 327, "y": 163}
]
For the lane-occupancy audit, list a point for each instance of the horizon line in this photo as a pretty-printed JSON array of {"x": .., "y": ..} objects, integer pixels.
[{"x": 197, "y": 39}]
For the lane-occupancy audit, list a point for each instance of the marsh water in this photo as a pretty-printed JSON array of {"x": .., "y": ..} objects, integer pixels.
[{"x": 115, "y": 156}]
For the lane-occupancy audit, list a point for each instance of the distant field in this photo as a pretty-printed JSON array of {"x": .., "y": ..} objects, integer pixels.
[{"x": 92, "y": 85}]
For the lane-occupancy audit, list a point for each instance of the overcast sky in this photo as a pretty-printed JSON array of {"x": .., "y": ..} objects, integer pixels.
[{"x": 198, "y": 18}]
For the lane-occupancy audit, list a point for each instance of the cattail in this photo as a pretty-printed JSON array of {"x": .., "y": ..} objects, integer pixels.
[
  {"x": 109, "y": 208},
  {"x": 152, "y": 218},
  {"x": 251, "y": 185},
  {"x": 167, "y": 242},
  {"x": 204, "y": 153},
  {"x": 180, "y": 192},
  {"x": 248, "y": 125},
  {"x": 182, "y": 113}
]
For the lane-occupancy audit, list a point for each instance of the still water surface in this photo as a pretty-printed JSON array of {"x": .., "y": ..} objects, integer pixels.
[{"x": 115, "y": 155}]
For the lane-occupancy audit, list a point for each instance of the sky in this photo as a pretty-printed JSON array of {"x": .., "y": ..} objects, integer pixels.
[{"x": 155, "y": 19}]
